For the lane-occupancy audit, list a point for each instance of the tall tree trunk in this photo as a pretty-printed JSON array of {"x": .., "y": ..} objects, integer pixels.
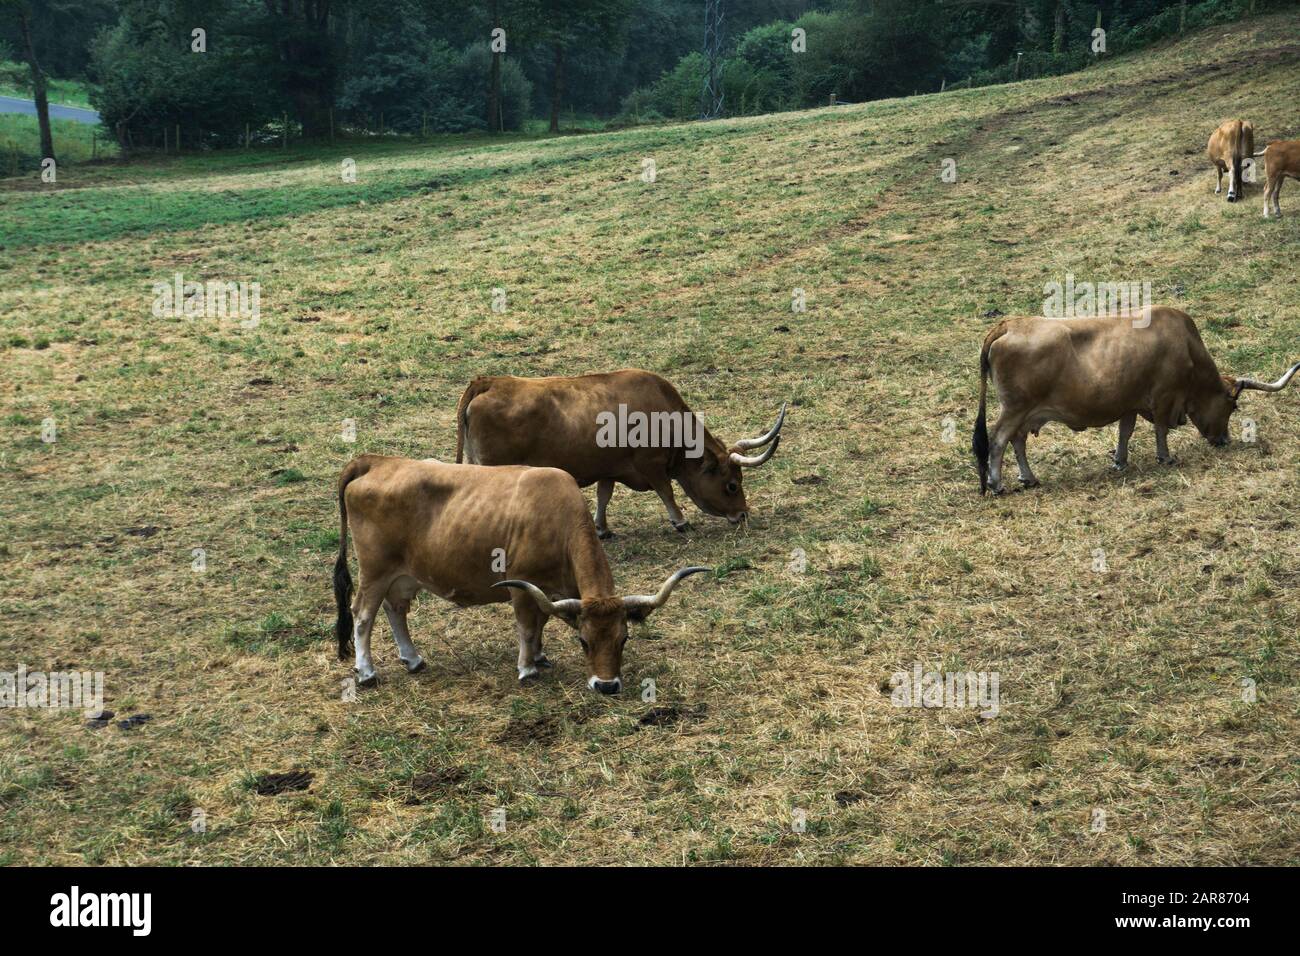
[
  {"x": 557, "y": 87},
  {"x": 1058, "y": 34},
  {"x": 38, "y": 87},
  {"x": 494, "y": 82}
]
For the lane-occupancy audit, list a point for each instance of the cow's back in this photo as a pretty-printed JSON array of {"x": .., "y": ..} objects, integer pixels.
[
  {"x": 1090, "y": 372},
  {"x": 553, "y": 422},
  {"x": 460, "y": 528}
]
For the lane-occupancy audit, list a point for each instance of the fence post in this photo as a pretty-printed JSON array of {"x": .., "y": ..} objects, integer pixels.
[
  {"x": 284, "y": 133},
  {"x": 832, "y": 99},
  {"x": 331, "y": 125},
  {"x": 178, "y": 137}
]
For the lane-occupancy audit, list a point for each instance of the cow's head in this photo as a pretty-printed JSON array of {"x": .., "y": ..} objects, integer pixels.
[
  {"x": 715, "y": 483},
  {"x": 1211, "y": 411},
  {"x": 601, "y": 623}
]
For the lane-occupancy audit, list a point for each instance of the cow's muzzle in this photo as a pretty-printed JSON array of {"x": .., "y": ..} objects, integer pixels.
[
  {"x": 605, "y": 686},
  {"x": 739, "y": 517}
]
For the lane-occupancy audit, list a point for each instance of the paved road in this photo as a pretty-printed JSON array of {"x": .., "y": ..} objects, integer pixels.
[{"x": 9, "y": 104}]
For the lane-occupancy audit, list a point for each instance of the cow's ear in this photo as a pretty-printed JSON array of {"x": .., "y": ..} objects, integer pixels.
[
  {"x": 1233, "y": 386},
  {"x": 569, "y": 619},
  {"x": 638, "y": 614}
]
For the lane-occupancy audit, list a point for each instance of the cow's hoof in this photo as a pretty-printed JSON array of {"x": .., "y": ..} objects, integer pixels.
[
  {"x": 998, "y": 491},
  {"x": 1171, "y": 460},
  {"x": 414, "y": 668},
  {"x": 541, "y": 660},
  {"x": 604, "y": 535},
  {"x": 1029, "y": 482},
  {"x": 1117, "y": 465},
  {"x": 684, "y": 527},
  {"x": 370, "y": 681},
  {"x": 527, "y": 673}
]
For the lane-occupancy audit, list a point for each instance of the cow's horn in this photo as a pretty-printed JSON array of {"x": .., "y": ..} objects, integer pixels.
[
  {"x": 749, "y": 461},
  {"x": 747, "y": 443},
  {"x": 651, "y": 601},
  {"x": 1270, "y": 386},
  {"x": 568, "y": 606}
]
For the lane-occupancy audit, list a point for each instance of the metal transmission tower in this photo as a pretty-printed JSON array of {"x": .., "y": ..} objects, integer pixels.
[{"x": 711, "y": 101}]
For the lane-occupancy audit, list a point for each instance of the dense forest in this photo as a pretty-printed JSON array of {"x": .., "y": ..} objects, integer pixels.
[{"x": 221, "y": 71}]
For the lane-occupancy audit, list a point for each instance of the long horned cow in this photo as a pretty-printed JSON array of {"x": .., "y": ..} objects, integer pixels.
[
  {"x": 630, "y": 427},
  {"x": 1091, "y": 372},
  {"x": 476, "y": 535}
]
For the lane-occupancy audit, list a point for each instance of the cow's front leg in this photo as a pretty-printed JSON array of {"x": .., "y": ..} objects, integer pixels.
[
  {"x": 528, "y": 628},
  {"x": 663, "y": 487},
  {"x": 1120, "y": 457},
  {"x": 1162, "y": 446},
  {"x": 1022, "y": 461},
  {"x": 540, "y": 658},
  {"x": 397, "y": 609},
  {"x": 604, "y": 491}
]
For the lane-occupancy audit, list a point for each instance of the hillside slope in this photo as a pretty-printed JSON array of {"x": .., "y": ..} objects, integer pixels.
[{"x": 1120, "y": 689}]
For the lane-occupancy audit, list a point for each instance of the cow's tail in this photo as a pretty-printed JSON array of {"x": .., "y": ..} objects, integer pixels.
[
  {"x": 979, "y": 442},
  {"x": 475, "y": 389},
  {"x": 342, "y": 579},
  {"x": 1261, "y": 152}
]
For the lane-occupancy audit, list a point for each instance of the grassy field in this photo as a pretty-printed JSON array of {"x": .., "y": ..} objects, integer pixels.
[{"x": 1121, "y": 691}]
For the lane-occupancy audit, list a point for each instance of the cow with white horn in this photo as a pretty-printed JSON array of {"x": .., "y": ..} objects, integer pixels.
[
  {"x": 629, "y": 427},
  {"x": 477, "y": 535},
  {"x": 1092, "y": 372}
]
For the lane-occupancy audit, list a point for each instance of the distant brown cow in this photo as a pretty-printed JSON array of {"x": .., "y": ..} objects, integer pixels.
[
  {"x": 1281, "y": 159},
  {"x": 629, "y": 426},
  {"x": 1230, "y": 146},
  {"x": 477, "y": 535},
  {"x": 1088, "y": 373}
]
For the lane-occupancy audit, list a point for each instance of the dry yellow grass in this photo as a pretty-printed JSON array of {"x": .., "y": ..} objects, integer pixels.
[{"x": 1120, "y": 691}]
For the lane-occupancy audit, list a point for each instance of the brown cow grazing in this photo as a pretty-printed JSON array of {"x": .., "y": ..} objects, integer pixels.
[
  {"x": 1281, "y": 159},
  {"x": 1088, "y": 373},
  {"x": 629, "y": 426},
  {"x": 1231, "y": 145},
  {"x": 477, "y": 535}
]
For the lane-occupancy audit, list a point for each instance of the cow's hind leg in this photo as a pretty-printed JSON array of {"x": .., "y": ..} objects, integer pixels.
[
  {"x": 604, "y": 491},
  {"x": 1120, "y": 458},
  {"x": 397, "y": 605},
  {"x": 1022, "y": 461},
  {"x": 1003, "y": 432},
  {"x": 364, "y": 608},
  {"x": 1218, "y": 166}
]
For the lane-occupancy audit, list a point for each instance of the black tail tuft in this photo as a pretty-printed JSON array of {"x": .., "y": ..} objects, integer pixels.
[
  {"x": 979, "y": 442},
  {"x": 343, "y": 600}
]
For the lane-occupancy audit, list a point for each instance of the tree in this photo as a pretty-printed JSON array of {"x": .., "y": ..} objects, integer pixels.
[
  {"x": 561, "y": 23},
  {"x": 24, "y": 11}
]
